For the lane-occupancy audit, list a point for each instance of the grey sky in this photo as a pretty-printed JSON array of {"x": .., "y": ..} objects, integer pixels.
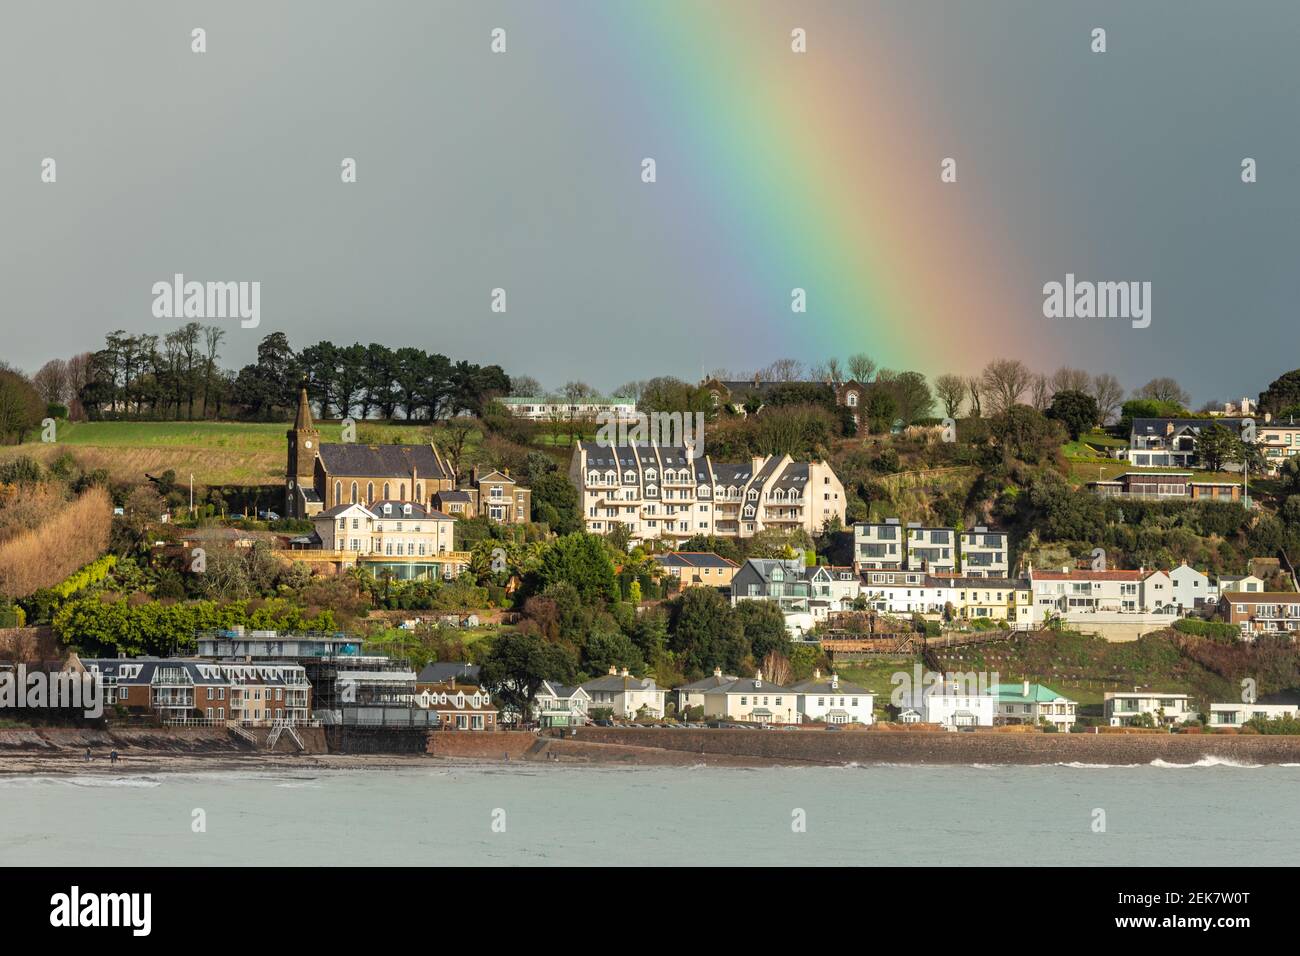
[{"x": 520, "y": 171}]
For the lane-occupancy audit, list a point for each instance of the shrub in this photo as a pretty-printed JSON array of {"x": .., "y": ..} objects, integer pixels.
[
  {"x": 42, "y": 557},
  {"x": 1217, "y": 630}
]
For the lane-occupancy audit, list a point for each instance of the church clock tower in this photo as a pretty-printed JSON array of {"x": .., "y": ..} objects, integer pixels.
[{"x": 304, "y": 442}]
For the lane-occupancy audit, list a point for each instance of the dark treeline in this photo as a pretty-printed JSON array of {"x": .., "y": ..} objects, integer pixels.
[{"x": 178, "y": 376}]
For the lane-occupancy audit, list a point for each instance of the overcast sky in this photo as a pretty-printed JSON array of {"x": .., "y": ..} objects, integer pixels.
[{"x": 521, "y": 171}]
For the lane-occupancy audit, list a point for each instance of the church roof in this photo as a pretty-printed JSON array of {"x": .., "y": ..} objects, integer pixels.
[
  {"x": 381, "y": 461},
  {"x": 302, "y": 421}
]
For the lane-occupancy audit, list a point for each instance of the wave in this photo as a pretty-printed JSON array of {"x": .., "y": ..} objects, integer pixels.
[
  {"x": 1209, "y": 761},
  {"x": 41, "y": 780}
]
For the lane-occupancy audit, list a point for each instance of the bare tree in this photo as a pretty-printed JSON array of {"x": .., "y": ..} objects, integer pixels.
[
  {"x": 861, "y": 367},
  {"x": 975, "y": 388},
  {"x": 52, "y": 382},
  {"x": 1164, "y": 389},
  {"x": 80, "y": 374},
  {"x": 951, "y": 390},
  {"x": 524, "y": 386},
  {"x": 782, "y": 370},
  {"x": 1071, "y": 380},
  {"x": 1004, "y": 382},
  {"x": 776, "y": 668},
  {"x": 1040, "y": 392},
  {"x": 212, "y": 336},
  {"x": 1109, "y": 394}
]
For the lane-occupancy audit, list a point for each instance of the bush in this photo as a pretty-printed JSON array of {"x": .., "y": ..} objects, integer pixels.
[{"x": 1216, "y": 630}]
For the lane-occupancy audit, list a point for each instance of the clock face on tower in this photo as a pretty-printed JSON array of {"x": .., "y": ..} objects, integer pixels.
[{"x": 307, "y": 443}]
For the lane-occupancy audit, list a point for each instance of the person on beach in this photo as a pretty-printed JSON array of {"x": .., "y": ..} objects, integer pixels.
[
  {"x": 87, "y": 755},
  {"x": 112, "y": 758}
]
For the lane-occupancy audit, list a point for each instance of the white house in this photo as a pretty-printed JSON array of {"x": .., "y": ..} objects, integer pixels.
[
  {"x": 833, "y": 701},
  {"x": 1027, "y": 703},
  {"x": 879, "y": 546},
  {"x": 985, "y": 553},
  {"x": 1192, "y": 589},
  {"x": 903, "y": 593},
  {"x": 931, "y": 549},
  {"x": 626, "y": 696},
  {"x": 561, "y": 706},
  {"x": 1234, "y": 715},
  {"x": 1121, "y": 707},
  {"x": 951, "y": 703},
  {"x": 390, "y": 528},
  {"x": 1074, "y": 593},
  {"x": 751, "y": 699},
  {"x": 1240, "y": 582}
]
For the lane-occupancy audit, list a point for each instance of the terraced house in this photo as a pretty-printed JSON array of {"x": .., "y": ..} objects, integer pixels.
[
  {"x": 661, "y": 492},
  {"x": 181, "y": 690}
]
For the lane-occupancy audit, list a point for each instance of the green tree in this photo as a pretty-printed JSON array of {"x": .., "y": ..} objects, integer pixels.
[
  {"x": 1077, "y": 411},
  {"x": 581, "y": 561},
  {"x": 515, "y": 666}
]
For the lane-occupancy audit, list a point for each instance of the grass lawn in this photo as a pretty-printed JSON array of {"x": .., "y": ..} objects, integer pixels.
[{"x": 216, "y": 453}]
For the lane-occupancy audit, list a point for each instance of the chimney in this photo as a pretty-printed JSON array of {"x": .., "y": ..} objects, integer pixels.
[
  {"x": 835, "y": 680},
  {"x": 624, "y": 673},
  {"x": 1024, "y": 688},
  {"x": 817, "y": 673},
  {"x": 613, "y": 671},
  {"x": 717, "y": 672},
  {"x": 758, "y": 678}
]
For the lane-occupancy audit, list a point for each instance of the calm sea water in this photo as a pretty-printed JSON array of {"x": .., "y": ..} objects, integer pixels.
[{"x": 871, "y": 815}]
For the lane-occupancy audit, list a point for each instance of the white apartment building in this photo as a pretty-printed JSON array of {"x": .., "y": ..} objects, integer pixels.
[
  {"x": 1071, "y": 592},
  {"x": 661, "y": 492},
  {"x": 879, "y": 546},
  {"x": 556, "y": 408},
  {"x": 397, "y": 528},
  {"x": 904, "y": 593},
  {"x": 985, "y": 553},
  {"x": 1121, "y": 707},
  {"x": 931, "y": 549},
  {"x": 832, "y": 701}
]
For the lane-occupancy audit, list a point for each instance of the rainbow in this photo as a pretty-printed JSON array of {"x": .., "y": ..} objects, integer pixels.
[{"x": 818, "y": 171}]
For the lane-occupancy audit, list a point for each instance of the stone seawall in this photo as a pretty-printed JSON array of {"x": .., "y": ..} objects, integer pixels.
[
  {"x": 873, "y": 746},
  {"x": 178, "y": 740},
  {"x": 480, "y": 745}
]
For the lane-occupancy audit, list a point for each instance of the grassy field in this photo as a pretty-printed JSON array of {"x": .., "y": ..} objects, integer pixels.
[{"x": 216, "y": 453}]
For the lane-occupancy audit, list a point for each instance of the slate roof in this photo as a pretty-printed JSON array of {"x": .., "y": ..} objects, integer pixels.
[
  {"x": 443, "y": 671},
  {"x": 381, "y": 461},
  {"x": 822, "y": 685},
  {"x": 694, "y": 559}
]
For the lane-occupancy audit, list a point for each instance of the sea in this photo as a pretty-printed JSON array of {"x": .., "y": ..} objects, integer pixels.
[{"x": 1212, "y": 813}]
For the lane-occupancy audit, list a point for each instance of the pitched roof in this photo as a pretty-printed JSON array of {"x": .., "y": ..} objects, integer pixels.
[
  {"x": 695, "y": 559},
  {"x": 1015, "y": 693},
  {"x": 382, "y": 461},
  {"x": 822, "y": 685},
  {"x": 441, "y": 671}
]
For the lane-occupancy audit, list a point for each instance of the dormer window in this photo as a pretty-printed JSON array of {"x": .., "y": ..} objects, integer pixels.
[{"x": 388, "y": 509}]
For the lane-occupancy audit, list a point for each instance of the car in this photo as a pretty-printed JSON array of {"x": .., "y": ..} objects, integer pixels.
[
  {"x": 604, "y": 723},
  {"x": 268, "y": 516},
  {"x": 238, "y": 517}
]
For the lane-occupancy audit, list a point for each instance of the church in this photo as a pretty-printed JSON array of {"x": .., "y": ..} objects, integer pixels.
[{"x": 321, "y": 476}]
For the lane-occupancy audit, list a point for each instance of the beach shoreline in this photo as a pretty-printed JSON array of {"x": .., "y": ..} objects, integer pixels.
[{"x": 63, "y": 752}]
